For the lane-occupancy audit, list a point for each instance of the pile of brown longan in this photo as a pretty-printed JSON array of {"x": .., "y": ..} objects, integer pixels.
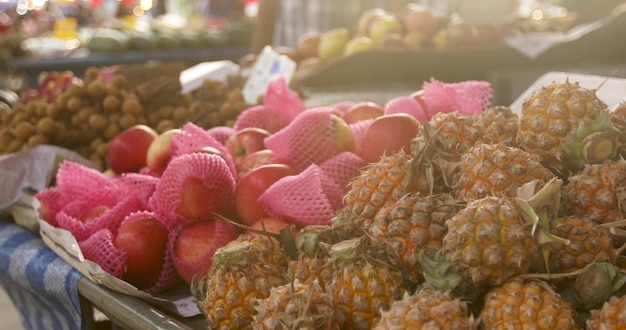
[{"x": 86, "y": 116}]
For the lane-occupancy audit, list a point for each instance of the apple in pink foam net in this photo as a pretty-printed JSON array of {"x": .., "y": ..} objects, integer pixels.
[
  {"x": 252, "y": 185},
  {"x": 386, "y": 135},
  {"x": 195, "y": 244}
]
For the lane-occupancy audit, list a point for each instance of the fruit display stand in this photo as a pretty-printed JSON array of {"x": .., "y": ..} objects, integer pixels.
[
  {"x": 79, "y": 63},
  {"x": 594, "y": 43}
]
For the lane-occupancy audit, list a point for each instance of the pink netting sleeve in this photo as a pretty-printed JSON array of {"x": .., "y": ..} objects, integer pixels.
[
  {"x": 311, "y": 138},
  {"x": 210, "y": 170},
  {"x": 408, "y": 105},
  {"x": 304, "y": 199},
  {"x": 468, "y": 97}
]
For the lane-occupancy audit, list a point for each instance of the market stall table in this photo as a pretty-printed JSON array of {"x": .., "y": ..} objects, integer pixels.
[{"x": 50, "y": 294}]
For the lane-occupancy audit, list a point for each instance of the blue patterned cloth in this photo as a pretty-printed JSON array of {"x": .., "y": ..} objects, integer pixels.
[{"x": 43, "y": 287}]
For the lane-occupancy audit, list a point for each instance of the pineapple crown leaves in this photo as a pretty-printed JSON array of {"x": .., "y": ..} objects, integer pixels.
[
  {"x": 429, "y": 158},
  {"x": 438, "y": 272},
  {"x": 351, "y": 252},
  {"x": 313, "y": 238},
  {"x": 539, "y": 209},
  {"x": 592, "y": 141}
]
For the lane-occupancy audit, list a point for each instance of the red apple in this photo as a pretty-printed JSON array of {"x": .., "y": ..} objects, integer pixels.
[
  {"x": 191, "y": 205},
  {"x": 419, "y": 18},
  {"x": 160, "y": 151},
  {"x": 196, "y": 243},
  {"x": 128, "y": 150},
  {"x": 94, "y": 213},
  {"x": 271, "y": 225},
  {"x": 363, "y": 110},
  {"x": 254, "y": 160},
  {"x": 386, "y": 135},
  {"x": 252, "y": 185},
  {"x": 246, "y": 141},
  {"x": 144, "y": 238}
]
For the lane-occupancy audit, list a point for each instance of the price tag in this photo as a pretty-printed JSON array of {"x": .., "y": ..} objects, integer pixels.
[
  {"x": 269, "y": 66},
  {"x": 65, "y": 28}
]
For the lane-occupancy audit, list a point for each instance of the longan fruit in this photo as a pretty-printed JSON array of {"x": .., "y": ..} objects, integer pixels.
[
  {"x": 119, "y": 80},
  {"x": 19, "y": 117},
  {"x": 112, "y": 130},
  {"x": 24, "y": 130},
  {"x": 114, "y": 90},
  {"x": 132, "y": 106},
  {"x": 127, "y": 120},
  {"x": 164, "y": 125},
  {"x": 76, "y": 90},
  {"x": 96, "y": 89},
  {"x": 85, "y": 113},
  {"x": 111, "y": 103},
  {"x": 101, "y": 150},
  {"x": 74, "y": 103},
  {"x": 165, "y": 112},
  {"x": 95, "y": 143},
  {"x": 142, "y": 120},
  {"x": 98, "y": 122},
  {"x": 6, "y": 136},
  {"x": 91, "y": 73},
  {"x": 52, "y": 111},
  {"x": 60, "y": 131},
  {"x": 14, "y": 146},
  {"x": 181, "y": 113},
  {"x": 31, "y": 107},
  {"x": 61, "y": 101},
  {"x": 36, "y": 140},
  {"x": 46, "y": 125}
]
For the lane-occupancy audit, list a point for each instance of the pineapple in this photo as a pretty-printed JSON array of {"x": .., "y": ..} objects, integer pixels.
[
  {"x": 498, "y": 124},
  {"x": 427, "y": 309},
  {"x": 597, "y": 191},
  {"x": 438, "y": 146},
  {"x": 378, "y": 185},
  {"x": 413, "y": 225},
  {"x": 612, "y": 315},
  {"x": 618, "y": 119},
  {"x": 296, "y": 305},
  {"x": 313, "y": 243},
  {"x": 490, "y": 241},
  {"x": 362, "y": 283},
  {"x": 497, "y": 170},
  {"x": 495, "y": 238},
  {"x": 242, "y": 272},
  {"x": 587, "y": 243},
  {"x": 519, "y": 304},
  {"x": 567, "y": 126}
]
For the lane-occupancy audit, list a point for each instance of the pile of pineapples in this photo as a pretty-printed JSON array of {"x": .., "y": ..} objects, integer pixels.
[{"x": 494, "y": 221}]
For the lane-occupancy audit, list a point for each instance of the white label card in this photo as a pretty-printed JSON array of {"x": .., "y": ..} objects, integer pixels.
[{"x": 269, "y": 66}]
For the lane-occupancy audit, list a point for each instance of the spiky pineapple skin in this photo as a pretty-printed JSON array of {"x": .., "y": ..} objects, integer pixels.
[
  {"x": 296, "y": 305},
  {"x": 549, "y": 115},
  {"x": 586, "y": 243},
  {"x": 454, "y": 133},
  {"x": 235, "y": 283},
  {"x": 498, "y": 170},
  {"x": 498, "y": 124},
  {"x": 362, "y": 286},
  {"x": 427, "y": 309},
  {"x": 414, "y": 224},
  {"x": 379, "y": 184},
  {"x": 489, "y": 241},
  {"x": 618, "y": 119},
  {"x": 610, "y": 316},
  {"x": 526, "y": 305},
  {"x": 597, "y": 191}
]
